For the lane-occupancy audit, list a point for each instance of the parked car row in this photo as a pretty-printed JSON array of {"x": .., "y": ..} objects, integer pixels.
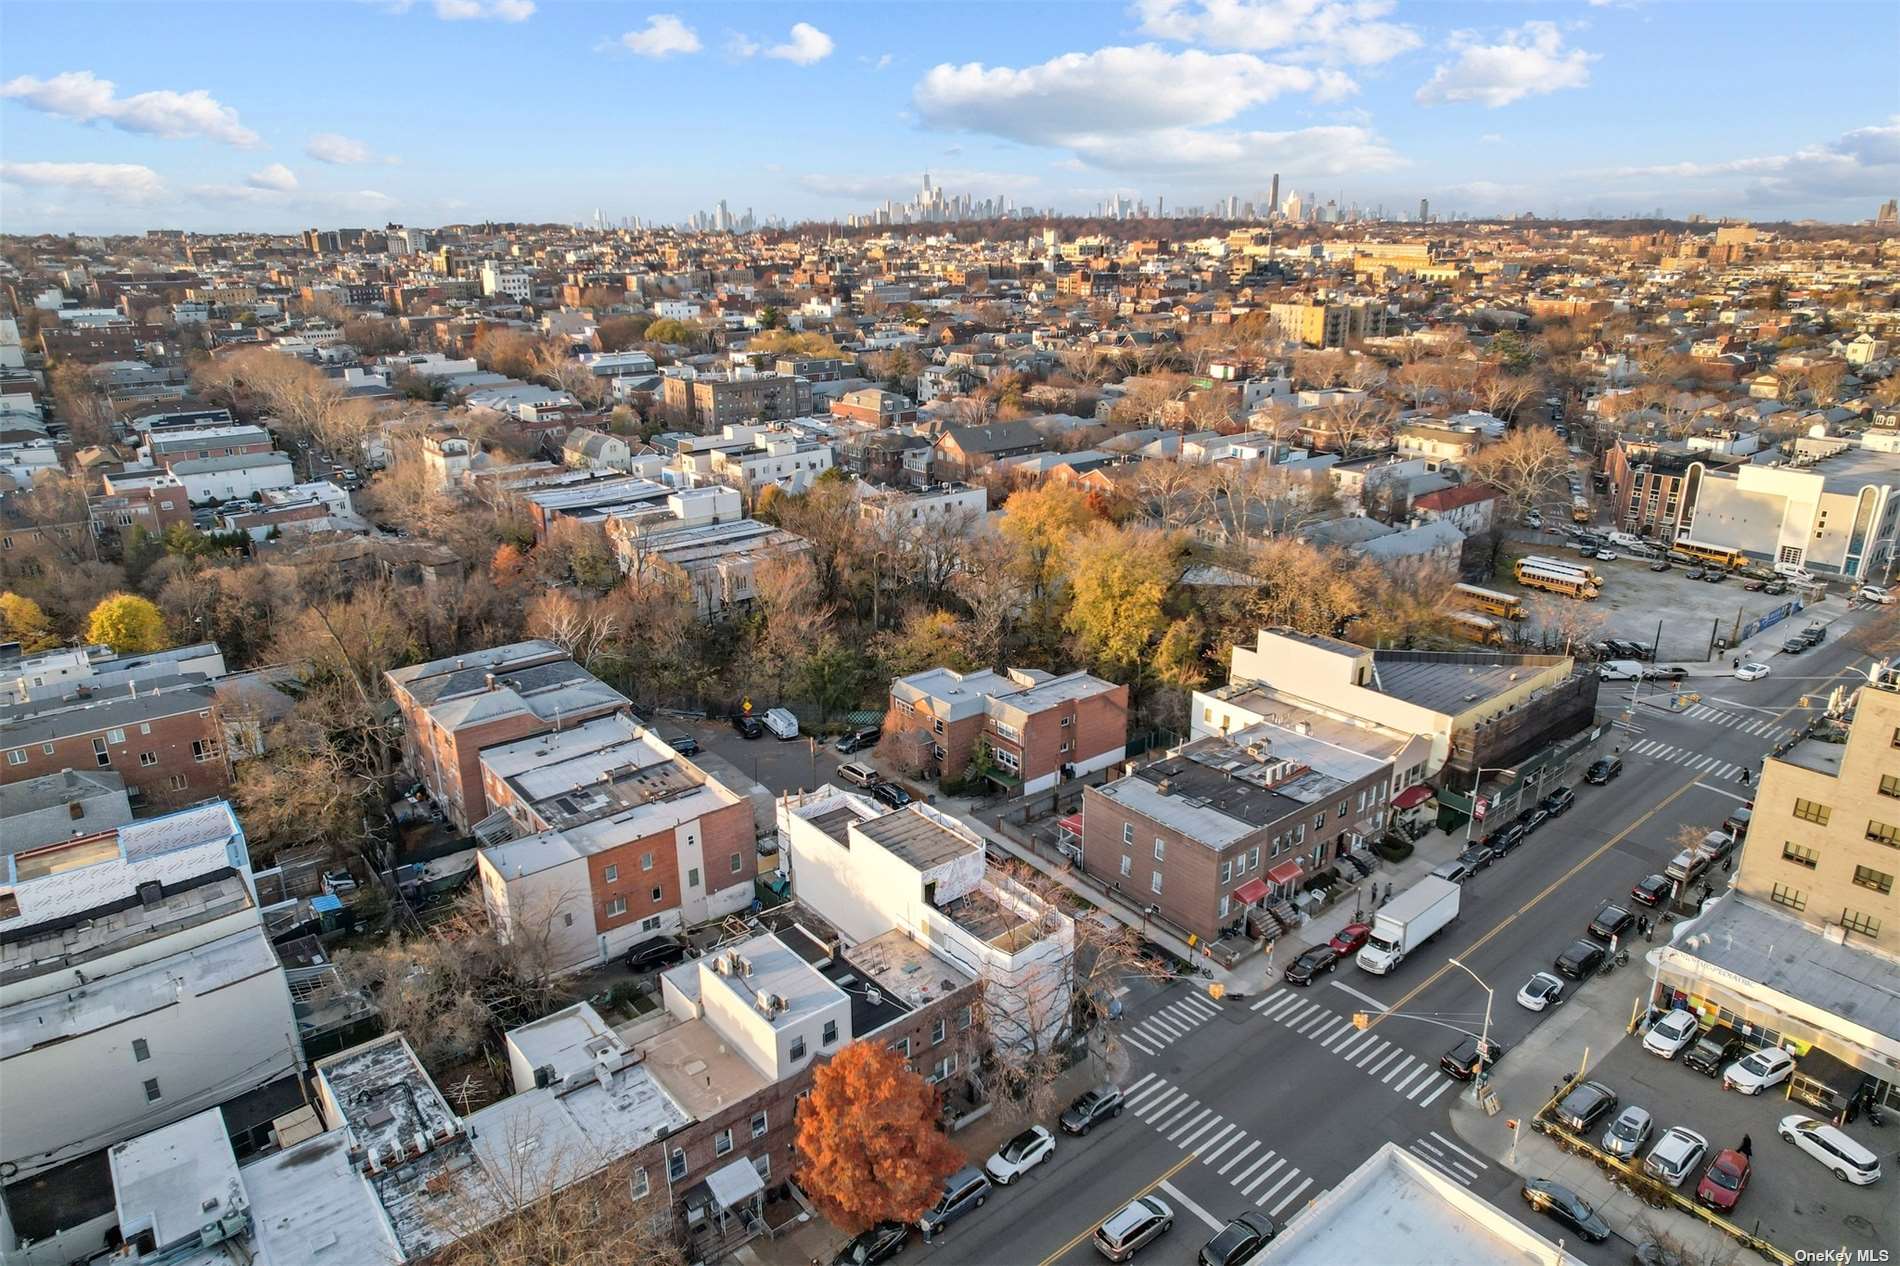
[{"x": 1501, "y": 842}]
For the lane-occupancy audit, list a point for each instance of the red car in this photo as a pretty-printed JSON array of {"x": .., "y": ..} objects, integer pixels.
[
  {"x": 1350, "y": 938},
  {"x": 1723, "y": 1180}
]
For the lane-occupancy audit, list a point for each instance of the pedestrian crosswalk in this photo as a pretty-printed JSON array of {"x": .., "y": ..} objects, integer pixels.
[
  {"x": 1255, "y": 1170},
  {"x": 1687, "y": 757},
  {"x": 1740, "y": 722},
  {"x": 1160, "y": 1029},
  {"x": 1407, "y": 1075},
  {"x": 1445, "y": 1156}
]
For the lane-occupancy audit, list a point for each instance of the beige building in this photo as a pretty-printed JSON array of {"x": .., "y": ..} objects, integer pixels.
[
  {"x": 1328, "y": 324},
  {"x": 1824, "y": 841}
]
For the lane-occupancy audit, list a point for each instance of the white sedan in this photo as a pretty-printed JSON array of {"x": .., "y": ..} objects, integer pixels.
[
  {"x": 1755, "y": 1073},
  {"x": 1541, "y": 991},
  {"x": 1670, "y": 1034},
  {"x": 1751, "y": 672},
  {"x": 1020, "y": 1155}
]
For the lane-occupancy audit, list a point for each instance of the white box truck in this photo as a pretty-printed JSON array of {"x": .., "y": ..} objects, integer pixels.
[
  {"x": 1407, "y": 921},
  {"x": 781, "y": 722}
]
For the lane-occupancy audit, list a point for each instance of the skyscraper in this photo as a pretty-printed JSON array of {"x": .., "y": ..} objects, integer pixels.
[
  {"x": 1273, "y": 196},
  {"x": 1424, "y": 210},
  {"x": 1889, "y": 212}
]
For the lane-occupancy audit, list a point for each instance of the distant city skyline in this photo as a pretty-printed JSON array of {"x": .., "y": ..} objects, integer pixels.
[{"x": 117, "y": 116}]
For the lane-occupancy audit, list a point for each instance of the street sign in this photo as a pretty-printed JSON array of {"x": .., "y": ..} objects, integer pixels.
[
  {"x": 745, "y": 706},
  {"x": 1479, "y": 807}
]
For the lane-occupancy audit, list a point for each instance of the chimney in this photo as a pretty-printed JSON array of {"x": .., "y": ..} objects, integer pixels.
[{"x": 488, "y": 679}]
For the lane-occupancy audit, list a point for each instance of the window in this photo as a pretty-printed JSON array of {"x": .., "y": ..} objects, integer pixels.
[
  {"x": 1154, "y": 881},
  {"x": 177, "y": 782},
  {"x": 99, "y": 752},
  {"x": 937, "y": 726},
  {"x": 735, "y": 865},
  {"x": 1128, "y": 865},
  {"x": 798, "y": 1048},
  {"x": 763, "y": 1163},
  {"x": 640, "y": 1185},
  {"x": 1319, "y": 821},
  {"x": 141, "y": 1050},
  {"x": 46, "y": 748},
  {"x": 1878, "y": 880},
  {"x": 1128, "y": 832},
  {"x": 1068, "y": 721},
  {"x": 943, "y": 1069},
  {"x": 1881, "y": 833},
  {"x": 151, "y": 1090},
  {"x": 1800, "y": 856},
  {"x": 1161, "y": 849},
  {"x": 1226, "y": 871},
  {"x": 722, "y": 1142},
  {"x": 148, "y": 759},
  {"x": 659, "y": 893},
  {"x": 115, "y": 736},
  {"x": 692, "y": 876},
  {"x": 676, "y": 1164},
  {"x": 1855, "y": 921},
  {"x": 939, "y": 1030},
  {"x": 1783, "y": 895},
  {"x": 831, "y": 1032},
  {"x": 646, "y": 861},
  {"x": 1253, "y": 857},
  {"x": 758, "y": 1124},
  {"x": 17, "y": 756},
  {"x": 902, "y": 1047},
  {"x": 610, "y": 874},
  {"x": 204, "y": 749},
  {"x": 906, "y": 707},
  {"x": 1809, "y": 811},
  {"x": 650, "y": 925},
  {"x": 965, "y": 1017},
  {"x": 616, "y": 907},
  {"x": 1226, "y": 904},
  {"x": 1342, "y": 809},
  {"x": 1890, "y": 784}
]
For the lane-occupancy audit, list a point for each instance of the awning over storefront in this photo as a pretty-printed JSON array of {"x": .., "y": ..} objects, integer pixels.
[
  {"x": 734, "y": 1183},
  {"x": 1285, "y": 872},
  {"x": 1072, "y": 824},
  {"x": 1251, "y": 891},
  {"x": 1412, "y": 797}
]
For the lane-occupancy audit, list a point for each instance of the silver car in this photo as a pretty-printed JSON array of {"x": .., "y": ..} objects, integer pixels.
[
  {"x": 1675, "y": 1155},
  {"x": 1129, "y": 1228},
  {"x": 1628, "y": 1132}
]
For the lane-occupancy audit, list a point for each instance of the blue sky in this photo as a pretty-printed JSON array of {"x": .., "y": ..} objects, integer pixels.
[{"x": 276, "y": 114}]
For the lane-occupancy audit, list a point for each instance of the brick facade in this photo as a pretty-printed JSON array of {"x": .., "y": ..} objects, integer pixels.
[{"x": 167, "y": 757}]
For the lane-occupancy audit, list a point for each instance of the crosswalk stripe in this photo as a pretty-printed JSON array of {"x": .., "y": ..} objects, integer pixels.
[
  {"x": 1443, "y": 1086},
  {"x": 1148, "y": 1110},
  {"x": 1374, "y": 1070},
  {"x": 1135, "y": 1097},
  {"x": 1267, "y": 1195},
  {"x": 1154, "y": 1034},
  {"x": 1397, "y": 1068},
  {"x": 1280, "y": 1002},
  {"x": 1211, "y": 1151},
  {"x": 1163, "y": 1120},
  {"x": 1138, "y": 1045},
  {"x": 1204, "y": 1005},
  {"x": 1239, "y": 1156},
  {"x": 1265, "y": 1174},
  {"x": 1439, "y": 1167},
  {"x": 1185, "y": 1016},
  {"x": 1254, "y": 1168},
  {"x": 1144, "y": 1080},
  {"x": 1461, "y": 1151},
  {"x": 1417, "y": 1143},
  {"x": 1290, "y": 1197},
  {"x": 1373, "y": 1053},
  {"x": 1326, "y": 1030},
  {"x": 1270, "y": 1000},
  {"x": 1320, "y": 1017},
  {"x": 1189, "y": 1122},
  {"x": 1168, "y": 1031},
  {"x": 1339, "y": 1041},
  {"x": 1404, "y": 1087},
  {"x": 1427, "y": 1084},
  {"x": 1188, "y": 1140},
  {"x": 1292, "y": 1014}
]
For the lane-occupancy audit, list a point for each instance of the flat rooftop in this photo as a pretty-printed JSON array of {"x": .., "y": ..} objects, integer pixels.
[
  {"x": 1820, "y": 750},
  {"x": 903, "y": 969},
  {"x": 918, "y": 839},
  {"x": 699, "y": 1069},
  {"x": 1453, "y": 681},
  {"x": 979, "y": 913},
  {"x": 765, "y": 965},
  {"x": 175, "y": 1179}
]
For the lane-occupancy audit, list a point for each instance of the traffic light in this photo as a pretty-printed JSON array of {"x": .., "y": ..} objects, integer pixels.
[{"x": 1361, "y": 1020}]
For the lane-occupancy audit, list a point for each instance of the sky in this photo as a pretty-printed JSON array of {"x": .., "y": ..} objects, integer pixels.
[{"x": 276, "y": 115}]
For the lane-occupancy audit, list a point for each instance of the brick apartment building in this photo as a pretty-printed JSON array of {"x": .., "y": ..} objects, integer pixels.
[
  {"x": 154, "y": 506},
  {"x": 963, "y": 450},
  {"x": 1038, "y": 729},
  {"x": 453, "y": 708},
  {"x": 874, "y": 407},
  {"x": 708, "y": 404},
  {"x": 1653, "y": 487},
  {"x": 162, "y": 736},
  {"x": 1223, "y": 828}
]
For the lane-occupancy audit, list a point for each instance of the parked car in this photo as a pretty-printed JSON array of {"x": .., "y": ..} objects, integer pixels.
[
  {"x": 748, "y": 727},
  {"x": 1094, "y": 1107},
  {"x": 1814, "y": 634},
  {"x": 1675, "y": 1155},
  {"x": 1714, "y": 577},
  {"x": 1751, "y": 672},
  {"x": 1670, "y": 1034},
  {"x": 1661, "y": 564},
  {"x": 1829, "y": 1144},
  {"x": 963, "y": 1191},
  {"x": 879, "y": 1244},
  {"x": 1239, "y": 1240},
  {"x": 1349, "y": 938},
  {"x": 680, "y": 741},
  {"x": 1505, "y": 840},
  {"x": 1775, "y": 587},
  {"x": 1651, "y": 890},
  {"x": 1456, "y": 871},
  {"x": 655, "y": 953},
  {"x": 1478, "y": 856},
  {"x": 1567, "y": 1207},
  {"x": 1628, "y": 1132},
  {"x": 1794, "y": 645},
  {"x": 1755, "y": 1073},
  {"x": 858, "y": 740},
  {"x": 1755, "y": 586},
  {"x": 1694, "y": 573},
  {"x": 1470, "y": 1057},
  {"x": 1668, "y": 673},
  {"x": 1020, "y": 1155},
  {"x": 1533, "y": 818},
  {"x": 1541, "y": 992},
  {"x": 1581, "y": 960},
  {"x": 859, "y": 774},
  {"x": 1558, "y": 801},
  {"x": 890, "y": 795},
  {"x": 1606, "y": 556},
  {"x": 1718, "y": 1047},
  {"x": 1131, "y": 1227},
  {"x": 1303, "y": 969},
  {"x": 1601, "y": 771},
  {"x": 1724, "y": 1180},
  {"x": 1612, "y": 920},
  {"x": 1876, "y": 593},
  {"x": 1585, "y": 1105}
]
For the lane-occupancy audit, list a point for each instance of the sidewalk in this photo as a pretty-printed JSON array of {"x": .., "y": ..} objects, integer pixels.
[
  {"x": 1765, "y": 644},
  {"x": 1585, "y": 1028}
]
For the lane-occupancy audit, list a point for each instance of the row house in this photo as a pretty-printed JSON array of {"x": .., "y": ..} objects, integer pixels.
[
  {"x": 160, "y": 734},
  {"x": 1037, "y": 729}
]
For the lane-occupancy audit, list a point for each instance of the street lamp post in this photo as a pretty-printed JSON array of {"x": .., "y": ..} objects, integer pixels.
[
  {"x": 1484, "y": 1039},
  {"x": 1477, "y": 781}
]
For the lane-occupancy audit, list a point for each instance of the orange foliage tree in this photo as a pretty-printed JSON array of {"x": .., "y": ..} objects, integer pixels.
[{"x": 868, "y": 1140}]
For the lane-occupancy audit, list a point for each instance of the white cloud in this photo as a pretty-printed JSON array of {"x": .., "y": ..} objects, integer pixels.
[
  {"x": 807, "y": 45},
  {"x": 1529, "y": 61},
  {"x": 131, "y": 181},
  {"x": 1319, "y": 30},
  {"x": 882, "y": 63},
  {"x": 1862, "y": 163},
  {"x": 741, "y": 46},
  {"x": 275, "y": 177},
  {"x": 664, "y": 35},
  {"x": 343, "y": 151},
  {"x": 83, "y": 97},
  {"x": 484, "y": 10},
  {"x": 1491, "y": 138}
]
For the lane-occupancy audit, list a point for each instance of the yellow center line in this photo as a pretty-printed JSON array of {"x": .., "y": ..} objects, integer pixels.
[{"x": 1184, "y": 1162}]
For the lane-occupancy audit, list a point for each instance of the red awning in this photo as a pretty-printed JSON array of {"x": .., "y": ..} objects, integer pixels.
[
  {"x": 1285, "y": 872},
  {"x": 1072, "y": 824},
  {"x": 1412, "y": 797},
  {"x": 1251, "y": 891}
]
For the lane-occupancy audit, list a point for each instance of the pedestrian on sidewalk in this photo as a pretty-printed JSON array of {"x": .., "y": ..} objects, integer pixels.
[{"x": 1748, "y": 1147}]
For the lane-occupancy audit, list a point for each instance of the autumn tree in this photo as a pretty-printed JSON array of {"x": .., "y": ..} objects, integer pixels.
[
  {"x": 1037, "y": 523},
  {"x": 622, "y": 333},
  {"x": 1528, "y": 467},
  {"x": 80, "y": 403},
  {"x": 869, "y": 1144},
  {"x": 504, "y": 351},
  {"x": 1304, "y": 588},
  {"x": 375, "y": 336},
  {"x": 26, "y": 622},
  {"x": 127, "y": 623},
  {"x": 1119, "y": 579},
  {"x": 926, "y": 638},
  {"x": 1356, "y": 422}
]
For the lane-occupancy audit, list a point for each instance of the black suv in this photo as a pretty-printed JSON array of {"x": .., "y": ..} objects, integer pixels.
[
  {"x": 1603, "y": 770},
  {"x": 1557, "y": 801},
  {"x": 1303, "y": 969},
  {"x": 881, "y": 1243},
  {"x": 748, "y": 727},
  {"x": 1581, "y": 960},
  {"x": 1507, "y": 839},
  {"x": 661, "y": 951},
  {"x": 1463, "y": 1062},
  {"x": 858, "y": 740},
  {"x": 890, "y": 795},
  {"x": 1585, "y": 1105},
  {"x": 1239, "y": 1240},
  {"x": 1715, "y": 1050},
  {"x": 1612, "y": 920}
]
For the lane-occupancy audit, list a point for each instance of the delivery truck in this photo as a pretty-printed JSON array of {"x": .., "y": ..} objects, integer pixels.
[
  {"x": 782, "y": 723},
  {"x": 1407, "y": 921}
]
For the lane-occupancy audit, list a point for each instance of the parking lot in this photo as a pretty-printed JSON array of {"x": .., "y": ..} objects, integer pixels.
[{"x": 1790, "y": 1199}]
